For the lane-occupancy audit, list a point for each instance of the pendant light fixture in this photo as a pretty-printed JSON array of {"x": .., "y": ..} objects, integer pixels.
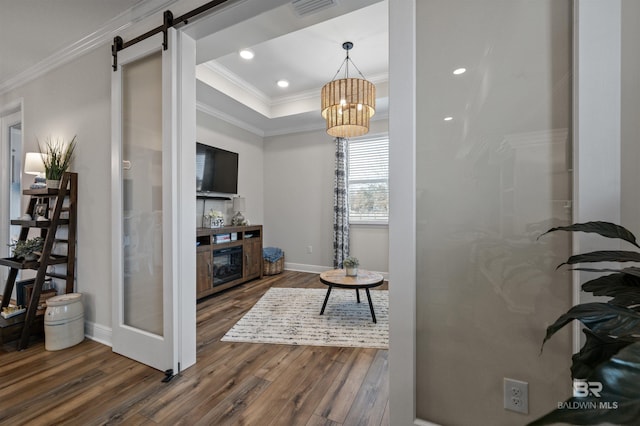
[{"x": 348, "y": 103}]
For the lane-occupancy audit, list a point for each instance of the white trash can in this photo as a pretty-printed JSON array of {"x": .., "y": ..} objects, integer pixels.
[{"x": 63, "y": 322}]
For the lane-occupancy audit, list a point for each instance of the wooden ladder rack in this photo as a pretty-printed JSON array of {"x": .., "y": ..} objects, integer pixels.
[{"x": 24, "y": 323}]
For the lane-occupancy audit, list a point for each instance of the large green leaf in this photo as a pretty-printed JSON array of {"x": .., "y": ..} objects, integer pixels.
[
  {"x": 619, "y": 400},
  {"x": 606, "y": 229},
  {"x": 603, "y": 256},
  {"x": 624, "y": 288},
  {"x": 601, "y": 318},
  {"x": 635, "y": 271},
  {"x": 596, "y": 350}
]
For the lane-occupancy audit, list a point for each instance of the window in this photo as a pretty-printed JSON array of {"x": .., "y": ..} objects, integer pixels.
[{"x": 368, "y": 180}]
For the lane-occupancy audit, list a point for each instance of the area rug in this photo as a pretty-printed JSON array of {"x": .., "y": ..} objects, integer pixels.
[{"x": 291, "y": 316}]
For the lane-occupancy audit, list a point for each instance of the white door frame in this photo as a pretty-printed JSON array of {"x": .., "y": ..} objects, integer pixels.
[
  {"x": 8, "y": 118},
  {"x": 402, "y": 220}
]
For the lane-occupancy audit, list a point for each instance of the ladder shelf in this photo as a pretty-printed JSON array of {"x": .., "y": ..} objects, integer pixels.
[{"x": 64, "y": 203}]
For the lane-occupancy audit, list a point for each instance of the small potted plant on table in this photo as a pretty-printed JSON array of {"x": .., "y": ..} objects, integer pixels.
[{"x": 351, "y": 266}]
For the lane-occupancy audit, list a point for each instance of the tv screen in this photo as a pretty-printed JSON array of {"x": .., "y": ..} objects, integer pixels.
[{"x": 216, "y": 170}]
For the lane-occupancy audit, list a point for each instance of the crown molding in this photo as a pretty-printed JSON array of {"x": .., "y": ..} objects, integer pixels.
[
  {"x": 237, "y": 81},
  {"x": 214, "y": 112},
  {"x": 300, "y": 129},
  {"x": 313, "y": 127},
  {"x": 280, "y": 100},
  {"x": 101, "y": 36}
]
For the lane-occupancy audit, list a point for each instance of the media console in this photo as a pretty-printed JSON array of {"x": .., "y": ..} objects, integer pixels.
[{"x": 226, "y": 257}]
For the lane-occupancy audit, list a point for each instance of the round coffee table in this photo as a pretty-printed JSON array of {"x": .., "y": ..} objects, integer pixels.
[{"x": 364, "y": 279}]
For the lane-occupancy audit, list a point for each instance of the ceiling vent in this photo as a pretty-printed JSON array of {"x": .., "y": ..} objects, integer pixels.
[{"x": 309, "y": 7}]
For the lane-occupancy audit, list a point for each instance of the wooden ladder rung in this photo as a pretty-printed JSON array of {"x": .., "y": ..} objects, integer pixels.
[{"x": 54, "y": 275}]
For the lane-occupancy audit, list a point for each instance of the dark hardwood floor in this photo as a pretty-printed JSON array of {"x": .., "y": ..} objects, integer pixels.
[{"x": 231, "y": 384}]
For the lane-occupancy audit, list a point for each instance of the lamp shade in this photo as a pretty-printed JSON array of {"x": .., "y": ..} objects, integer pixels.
[
  {"x": 347, "y": 105},
  {"x": 239, "y": 204},
  {"x": 33, "y": 164}
]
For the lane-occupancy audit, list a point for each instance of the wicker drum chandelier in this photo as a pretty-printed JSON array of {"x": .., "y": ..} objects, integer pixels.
[{"x": 348, "y": 103}]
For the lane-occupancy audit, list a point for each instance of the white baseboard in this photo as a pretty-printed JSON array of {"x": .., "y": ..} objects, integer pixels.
[
  {"x": 420, "y": 422},
  {"x": 301, "y": 267},
  {"x": 317, "y": 269},
  {"x": 98, "y": 333}
]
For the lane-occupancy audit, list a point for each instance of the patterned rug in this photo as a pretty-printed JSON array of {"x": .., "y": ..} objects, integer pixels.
[{"x": 291, "y": 316}]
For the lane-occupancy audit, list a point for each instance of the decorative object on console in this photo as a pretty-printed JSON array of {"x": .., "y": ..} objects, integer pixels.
[
  {"x": 351, "y": 265},
  {"x": 56, "y": 156},
  {"x": 34, "y": 165},
  {"x": 216, "y": 220},
  {"x": 239, "y": 207},
  {"x": 40, "y": 210},
  {"x": 348, "y": 103}
]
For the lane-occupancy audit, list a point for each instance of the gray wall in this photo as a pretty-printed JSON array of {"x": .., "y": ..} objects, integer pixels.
[
  {"x": 75, "y": 99},
  {"x": 488, "y": 183},
  {"x": 630, "y": 125},
  {"x": 298, "y": 176},
  {"x": 215, "y": 132}
]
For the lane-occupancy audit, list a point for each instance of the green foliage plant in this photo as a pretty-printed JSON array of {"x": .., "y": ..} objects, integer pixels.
[
  {"x": 56, "y": 156},
  {"x": 24, "y": 248},
  {"x": 610, "y": 356},
  {"x": 351, "y": 262}
]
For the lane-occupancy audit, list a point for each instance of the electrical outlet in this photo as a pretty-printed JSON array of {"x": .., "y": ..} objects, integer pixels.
[
  {"x": 309, "y": 249},
  {"x": 516, "y": 396}
]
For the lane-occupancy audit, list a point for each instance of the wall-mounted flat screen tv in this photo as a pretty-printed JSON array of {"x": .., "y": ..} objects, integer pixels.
[{"x": 216, "y": 170}]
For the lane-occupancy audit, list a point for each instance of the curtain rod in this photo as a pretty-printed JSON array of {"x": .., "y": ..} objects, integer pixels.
[{"x": 169, "y": 22}]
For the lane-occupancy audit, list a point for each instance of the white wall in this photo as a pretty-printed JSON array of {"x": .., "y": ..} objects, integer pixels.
[
  {"x": 215, "y": 132},
  {"x": 298, "y": 176},
  {"x": 74, "y": 99}
]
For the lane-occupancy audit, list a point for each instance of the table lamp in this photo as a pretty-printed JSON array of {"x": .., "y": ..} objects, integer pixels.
[{"x": 33, "y": 165}]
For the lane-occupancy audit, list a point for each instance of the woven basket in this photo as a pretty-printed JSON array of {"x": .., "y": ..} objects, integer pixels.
[{"x": 273, "y": 268}]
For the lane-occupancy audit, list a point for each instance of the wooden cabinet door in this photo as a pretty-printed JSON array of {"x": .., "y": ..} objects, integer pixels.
[
  {"x": 204, "y": 278},
  {"x": 252, "y": 258}
]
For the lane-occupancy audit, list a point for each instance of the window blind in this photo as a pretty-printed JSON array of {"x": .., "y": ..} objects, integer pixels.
[{"x": 368, "y": 179}]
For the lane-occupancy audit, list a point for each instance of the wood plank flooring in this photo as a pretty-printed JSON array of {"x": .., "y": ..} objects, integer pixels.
[{"x": 231, "y": 384}]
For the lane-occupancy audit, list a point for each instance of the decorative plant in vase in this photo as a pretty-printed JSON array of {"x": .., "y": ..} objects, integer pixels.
[
  {"x": 606, "y": 371},
  {"x": 351, "y": 266},
  {"x": 56, "y": 156},
  {"x": 26, "y": 249}
]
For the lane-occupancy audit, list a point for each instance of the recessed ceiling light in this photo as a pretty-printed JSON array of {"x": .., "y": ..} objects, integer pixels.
[
  {"x": 459, "y": 71},
  {"x": 247, "y": 54},
  {"x": 448, "y": 118},
  {"x": 283, "y": 83}
]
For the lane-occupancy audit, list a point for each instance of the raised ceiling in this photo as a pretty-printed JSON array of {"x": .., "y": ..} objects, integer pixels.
[{"x": 306, "y": 50}]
